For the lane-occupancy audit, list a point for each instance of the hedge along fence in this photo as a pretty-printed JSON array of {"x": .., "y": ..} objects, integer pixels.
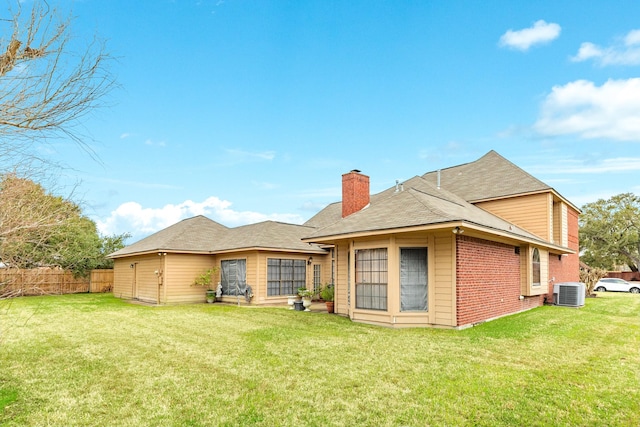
[{"x": 49, "y": 281}]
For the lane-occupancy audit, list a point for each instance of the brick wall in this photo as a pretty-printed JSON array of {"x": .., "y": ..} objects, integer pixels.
[
  {"x": 487, "y": 281},
  {"x": 355, "y": 192}
]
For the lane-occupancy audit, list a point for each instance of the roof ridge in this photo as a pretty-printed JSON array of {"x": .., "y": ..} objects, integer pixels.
[
  {"x": 439, "y": 197},
  {"x": 432, "y": 208}
]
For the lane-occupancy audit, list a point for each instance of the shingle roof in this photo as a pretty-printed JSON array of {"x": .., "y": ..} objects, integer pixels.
[
  {"x": 326, "y": 216},
  {"x": 267, "y": 234},
  {"x": 490, "y": 177},
  {"x": 420, "y": 203},
  {"x": 189, "y": 235},
  {"x": 203, "y": 235}
]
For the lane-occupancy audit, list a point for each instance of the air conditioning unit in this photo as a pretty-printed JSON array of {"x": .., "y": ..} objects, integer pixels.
[{"x": 569, "y": 294}]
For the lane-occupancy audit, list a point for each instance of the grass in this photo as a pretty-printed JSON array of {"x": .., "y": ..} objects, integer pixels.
[{"x": 92, "y": 359}]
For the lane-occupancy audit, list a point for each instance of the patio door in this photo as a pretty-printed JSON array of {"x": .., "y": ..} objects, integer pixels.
[{"x": 413, "y": 279}]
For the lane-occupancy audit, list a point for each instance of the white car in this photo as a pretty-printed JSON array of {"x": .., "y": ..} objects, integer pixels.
[{"x": 617, "y": 285}]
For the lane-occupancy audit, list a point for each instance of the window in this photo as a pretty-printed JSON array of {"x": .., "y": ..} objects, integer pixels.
[
  {"x": 413, "y": 279},
  {"x": 317, "y": 278},
  {"x": 536, "y": 267},
  {"x": 233, "y": 276},
  {"x": 371, "y": 279},
  {"x": 285, "y": 276}
]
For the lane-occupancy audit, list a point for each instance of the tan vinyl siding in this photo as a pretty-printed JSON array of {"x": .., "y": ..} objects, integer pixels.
[
  {"x": 560, "y": 223},
  {"x": 526, "y": 272},
  {"x": 122, "y": 278},
  {"x": 180, "y": 271},
  {"x": 550, "y": 217},
  {"x": 564, "y": 228},
  {"x": 531, "y": 212},
  {"x": 135, "y": 278},
  {"x": 443, "y": 291},
  {"x": 440, "y": 279},
  {"x": 254, "y": 264},
  {"x": 544, "y": 273},
  {"x": 341, "y": 301},
  {"x": 176, "y": 273}
]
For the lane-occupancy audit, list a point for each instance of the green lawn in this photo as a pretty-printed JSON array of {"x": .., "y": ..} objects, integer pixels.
[{"x": 92, "y": 359}]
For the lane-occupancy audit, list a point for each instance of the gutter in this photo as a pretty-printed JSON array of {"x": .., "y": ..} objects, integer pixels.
[{"x": 443, "y": 227}]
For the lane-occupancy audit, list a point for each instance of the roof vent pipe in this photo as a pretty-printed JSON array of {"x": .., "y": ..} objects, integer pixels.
[
  {"x": 397, "y": 185},
  {"x": 438, "y": 184}
]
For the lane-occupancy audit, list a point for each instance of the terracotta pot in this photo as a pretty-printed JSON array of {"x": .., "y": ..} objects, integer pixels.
[{"x": 329, "y": 306}]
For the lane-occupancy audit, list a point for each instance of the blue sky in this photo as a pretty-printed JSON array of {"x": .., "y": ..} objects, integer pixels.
[{"x": 251, "y": 110}]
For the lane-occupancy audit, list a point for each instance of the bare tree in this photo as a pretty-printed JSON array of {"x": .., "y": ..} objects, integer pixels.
[
  {"x": 27, "y": 216},
  {"x": 46, "y": 87},
  {"x": 590, "y": 276}
]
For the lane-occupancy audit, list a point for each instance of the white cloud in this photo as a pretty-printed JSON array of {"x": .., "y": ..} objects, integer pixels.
[
  {"x": 624, "y": 52},
  {"x": 632, "y": 38},
  {"x": 541, "y": 32},
  {"x": 131, "y": 217},
  {"x": 589, "y": 111}
]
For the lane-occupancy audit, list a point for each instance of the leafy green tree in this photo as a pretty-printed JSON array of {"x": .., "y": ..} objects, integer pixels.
[
  {"x": 610, "y": 232},
  {"x": 38, "y": 229}
]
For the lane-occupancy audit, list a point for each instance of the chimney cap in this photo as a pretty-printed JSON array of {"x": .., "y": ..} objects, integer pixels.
[{"x": 355, "y": 170}]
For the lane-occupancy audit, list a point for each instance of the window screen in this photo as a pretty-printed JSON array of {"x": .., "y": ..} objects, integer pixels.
[
  {"x": 233, "y": 276},
  {"x": 371, "y": 279},
  {"x": 285, "y": 276},
  {"x": 413, "y": 279}
]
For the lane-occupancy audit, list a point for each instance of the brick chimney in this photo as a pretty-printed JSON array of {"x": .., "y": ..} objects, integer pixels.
[{"x": 355, "y": 192}]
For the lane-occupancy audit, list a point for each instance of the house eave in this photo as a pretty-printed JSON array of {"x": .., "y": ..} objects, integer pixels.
[
  {"x": 311, "y": 250},
  {"x": 157, "y": 251},
  {"x": 472, "y": 229}
]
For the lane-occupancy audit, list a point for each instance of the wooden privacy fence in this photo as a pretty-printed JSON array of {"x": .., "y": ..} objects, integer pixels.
[
  {"x": 46, "y": 281},
  {"x": 101, "y": 281}
]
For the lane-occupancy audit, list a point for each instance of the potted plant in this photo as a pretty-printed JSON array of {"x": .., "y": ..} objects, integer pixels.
[
  {"x": 327, "y": 294},
  {"x": 306, "y": 296},
  {"x": 291, "y": 299},
  {"x": 205, "y": 279}
]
